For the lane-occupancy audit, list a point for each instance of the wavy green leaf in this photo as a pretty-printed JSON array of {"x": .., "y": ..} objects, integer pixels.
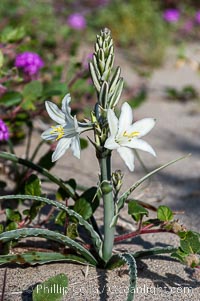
[
  {"x": 55, "y": 236},
  {"x": 34, "y": 258},
  {"x": 130, "y": 261}
]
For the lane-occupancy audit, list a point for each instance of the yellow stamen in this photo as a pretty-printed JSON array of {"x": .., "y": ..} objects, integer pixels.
[
  {"x": 131, "y": 135},
  {"x": 58, "y": 130}
]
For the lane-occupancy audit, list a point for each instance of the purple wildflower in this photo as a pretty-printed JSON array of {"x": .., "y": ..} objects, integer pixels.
[
  {"x": 76, "y": 21},
  {"x": 171, "y": 15},
  {"x": 4, "y": 133},
  {"x": 30, "y": 63},
  {"x": 197, "y": 17}
]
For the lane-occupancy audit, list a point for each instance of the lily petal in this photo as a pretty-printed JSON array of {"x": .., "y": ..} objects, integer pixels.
[
  {"x": 112, "y": 121},
  {"x": 110, "y": 143},
  {"x": 142, "y": 126},
  {"x": 54, "y": 112},
  {"x": 125, "y": 118},
  {"x": 66, "y": 108},
  {"x": 128, "y": 157},
  {"x": 48, "y": 135},
  {"x": 75, "y": 147},
  {"x": 140, "y": 144},
  {"x": 62, "y": 146}
]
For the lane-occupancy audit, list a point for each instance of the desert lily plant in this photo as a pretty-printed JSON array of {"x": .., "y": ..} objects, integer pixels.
[{"x": 110, "y": 133}]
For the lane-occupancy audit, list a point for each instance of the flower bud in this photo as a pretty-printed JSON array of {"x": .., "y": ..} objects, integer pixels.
[{"x": 117, "y": 177}]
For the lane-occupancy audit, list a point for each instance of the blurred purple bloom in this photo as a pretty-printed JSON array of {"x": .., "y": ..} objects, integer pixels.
[
  {"x": 171, "y": 15},
  {"x": 197, "y": 17},
  {"x": 86, "y": 61},
  {"x": 188, "y": 26},
  {"x": 29, "y": 62},
  {"x": 4, "y": 133},
  {"x": 76, "y": 21}
]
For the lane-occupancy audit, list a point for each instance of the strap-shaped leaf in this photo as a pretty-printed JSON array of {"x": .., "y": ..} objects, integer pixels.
[
  {"x": 116, "y": 262},
  {"x": 130, "y": 260},
  {"x": 41, "y": 170},
  {"x": 27, "y": 232},
  {"x": 154, "y": 251},
  {"x": 33, "y": 258},
  {"x": 94, "y": 235},
  {"x": 125, "y": 195}
]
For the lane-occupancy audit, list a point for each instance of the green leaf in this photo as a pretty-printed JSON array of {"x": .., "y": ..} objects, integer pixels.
[
  {"x": 180, "y": 255},
  {"x": 11, "y": 226},
  {"x": 91, "y": 195},
  {"x": 190, "y": 243},
  {"x": 1, "y": 59},
  {"x": 10, "y": 34},
  {"x": 1, "y": 228},
  {"x": 10, "y": 99},
  {"x": 12, "y": 215},
  {"x": 45, "y": 161},
  {"x": 31, "y": 92},
  {"x": 164, "y": 214},
  {"x": 35, "y": 207},
  {"x": 60, "y": 218},
  {"x": 54, "y": 88},
  {"x": 43, "y": 291},
  {"x": 83, "y": 208},
  {"x": 62, "y": 194},
  {"x": 34, "y": 258},
  {"x": 55, "y": 236},
  {"x": 72, "y": 230},
  {"x": 33, "y": 186},
  {"x": 94, "y": 235},
  {"x": 83, "y": 143},
  {"x": 136, "y": 210}
]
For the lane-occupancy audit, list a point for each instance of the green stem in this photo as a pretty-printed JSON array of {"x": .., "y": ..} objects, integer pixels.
[
  {"x": 36, "y": 150},
  {"x": 108, "y": 209}
]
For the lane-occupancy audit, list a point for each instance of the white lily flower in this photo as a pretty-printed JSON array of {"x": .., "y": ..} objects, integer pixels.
[
  {"x": 125, "y": 135},
  {"x": 67, "y": 131}
]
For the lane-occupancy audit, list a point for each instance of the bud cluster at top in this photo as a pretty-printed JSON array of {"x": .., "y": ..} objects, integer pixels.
[{"x": 108, "y": 86}]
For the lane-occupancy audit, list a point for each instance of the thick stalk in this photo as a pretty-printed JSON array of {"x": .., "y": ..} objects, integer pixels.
[{"x": 108, "y": 208}]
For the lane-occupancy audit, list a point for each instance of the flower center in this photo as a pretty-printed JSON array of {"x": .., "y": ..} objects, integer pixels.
[
  {"x": 130, "y": 135},
  {"x": 58, "y": 130}
]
